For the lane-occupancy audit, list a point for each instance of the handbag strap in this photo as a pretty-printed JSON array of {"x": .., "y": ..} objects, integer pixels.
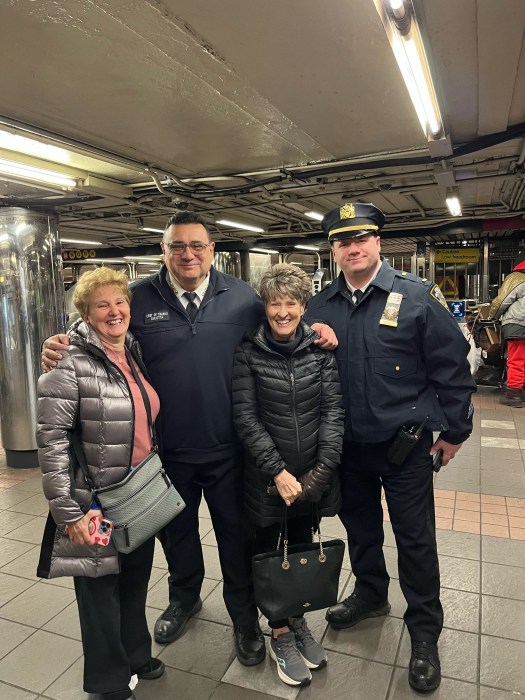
[
  {"x": 284, "y": 528},
  {"x": 315, "y": 517},
  {"x": 145, "y": 398}
]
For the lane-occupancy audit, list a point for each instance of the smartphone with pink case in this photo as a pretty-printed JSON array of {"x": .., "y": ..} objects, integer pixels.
[{"x": 100, "y": 529}]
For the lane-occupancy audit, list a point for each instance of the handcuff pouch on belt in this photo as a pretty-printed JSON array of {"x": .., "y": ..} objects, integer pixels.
[{"x": 404, "y": 442}]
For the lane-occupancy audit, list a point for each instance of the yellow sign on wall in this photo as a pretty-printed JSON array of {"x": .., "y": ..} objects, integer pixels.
[{"x": 457, "y": 255}]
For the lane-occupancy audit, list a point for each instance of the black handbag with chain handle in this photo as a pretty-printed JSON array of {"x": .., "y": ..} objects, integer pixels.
[{"x": 296, "y": 579}]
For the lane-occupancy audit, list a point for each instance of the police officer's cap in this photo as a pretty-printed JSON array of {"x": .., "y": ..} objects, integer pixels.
[{"x": 352, "y": 220}]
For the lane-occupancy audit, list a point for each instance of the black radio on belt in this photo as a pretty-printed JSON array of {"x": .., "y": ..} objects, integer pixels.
[{"x": 404, "y": 442}]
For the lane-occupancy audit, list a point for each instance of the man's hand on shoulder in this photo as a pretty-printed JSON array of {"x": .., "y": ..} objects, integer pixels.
[
  {"x": 51, "y": 350},
  {"x": 327, "y": 337}
]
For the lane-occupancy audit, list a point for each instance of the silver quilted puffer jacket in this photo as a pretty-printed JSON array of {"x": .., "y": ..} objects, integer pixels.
[{"x": 85, "y": 387}]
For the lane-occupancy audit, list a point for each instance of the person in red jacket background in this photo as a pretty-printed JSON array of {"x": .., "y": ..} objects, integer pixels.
[{"x": 509, "y": 306}]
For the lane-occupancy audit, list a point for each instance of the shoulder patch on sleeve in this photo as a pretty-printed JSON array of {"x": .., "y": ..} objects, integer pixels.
[{"x": 436, "y": 293}]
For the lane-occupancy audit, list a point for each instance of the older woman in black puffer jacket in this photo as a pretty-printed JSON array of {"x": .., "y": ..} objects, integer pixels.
[{"x": 288, "y": 414}]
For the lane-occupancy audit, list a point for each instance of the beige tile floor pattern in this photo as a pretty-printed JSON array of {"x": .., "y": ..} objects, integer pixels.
[{"x": 483, "y": 592}]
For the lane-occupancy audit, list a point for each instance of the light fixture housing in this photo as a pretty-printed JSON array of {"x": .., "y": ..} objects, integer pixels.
[
  {"x": 401, "y": 26},
  {"x": 238, "y": 224},
  {"x": 36, "y": 174},
  {"x": 453, "y": 204},
  {"x": 33, "y": 147}
]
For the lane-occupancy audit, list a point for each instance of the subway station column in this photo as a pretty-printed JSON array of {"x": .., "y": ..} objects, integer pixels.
[{"x": 31, "y": 309}]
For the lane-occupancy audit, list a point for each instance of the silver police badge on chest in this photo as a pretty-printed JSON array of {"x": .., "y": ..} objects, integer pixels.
[{"x": 391, "y": 310}]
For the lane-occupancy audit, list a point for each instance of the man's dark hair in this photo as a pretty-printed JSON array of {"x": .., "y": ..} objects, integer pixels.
[{"x": 187, "y": 217}]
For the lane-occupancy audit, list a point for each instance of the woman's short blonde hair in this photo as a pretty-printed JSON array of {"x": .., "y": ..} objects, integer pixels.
[
  {"x": 94, "y": 279},
  {"x": 285, "y": 280}
]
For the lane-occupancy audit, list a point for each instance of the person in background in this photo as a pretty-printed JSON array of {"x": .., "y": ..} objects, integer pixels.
[
  {"x": 509, "y": 307},
  {"x": 287, "y": 410},
  {"x": 403, "y": 369},
  {"x": 189, "y": 318},
  {"x": 93, "y": 398}
]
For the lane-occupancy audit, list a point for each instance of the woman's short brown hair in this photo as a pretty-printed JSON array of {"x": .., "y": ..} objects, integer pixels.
[
  {"x": 94, "y": 279},
  {"x": 285, "y": 280}
]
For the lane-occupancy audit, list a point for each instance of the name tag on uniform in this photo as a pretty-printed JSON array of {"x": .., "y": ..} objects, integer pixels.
[
  {"x": 391, "y": 310},
  {"x": 156, "y": 316}
]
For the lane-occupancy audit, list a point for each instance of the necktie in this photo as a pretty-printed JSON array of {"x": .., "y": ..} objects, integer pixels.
[
  {"x": 358, "y": 295},
  {"x": 192, "y": 307}
]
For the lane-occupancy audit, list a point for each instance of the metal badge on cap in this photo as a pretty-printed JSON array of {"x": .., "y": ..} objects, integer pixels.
[{"x": 347, "y": 211}]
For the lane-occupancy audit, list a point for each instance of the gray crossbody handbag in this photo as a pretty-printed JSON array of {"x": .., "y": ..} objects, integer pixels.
[{"x": 145, "y": 501}]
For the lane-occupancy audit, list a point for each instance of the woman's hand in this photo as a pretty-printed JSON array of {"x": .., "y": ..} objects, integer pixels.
[
  {"x": 78, "y": 531},
  {"x": 288, "y": 486}
]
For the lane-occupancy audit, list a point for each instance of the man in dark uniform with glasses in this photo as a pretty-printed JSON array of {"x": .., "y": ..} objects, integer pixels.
[
  {"x": 404, "y": 373},
  {"x": 189, "y": 319}
]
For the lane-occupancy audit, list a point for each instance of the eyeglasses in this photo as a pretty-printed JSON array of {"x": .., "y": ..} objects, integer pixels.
[{"x": 178, "y": 247}]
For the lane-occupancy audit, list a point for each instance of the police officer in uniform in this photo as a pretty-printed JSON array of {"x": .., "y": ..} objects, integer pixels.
[{"x": 404, "y": 373}]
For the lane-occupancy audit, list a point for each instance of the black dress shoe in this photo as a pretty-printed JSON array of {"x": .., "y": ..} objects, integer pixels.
[
  {"x": 249, "y": 644},
  {"x": 171, "y": 624},
  {"x": 352, "y": 610},
  {"x": 154, "y": 668},
  {"x": 424, "y": 671}
]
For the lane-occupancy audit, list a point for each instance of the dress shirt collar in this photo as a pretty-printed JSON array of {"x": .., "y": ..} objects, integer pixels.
[{"x": 179, "y": 291}]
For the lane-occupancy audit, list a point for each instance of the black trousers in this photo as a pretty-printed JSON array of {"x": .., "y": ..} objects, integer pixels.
[
  {"x": 221, "y": 484},
  {"x": 112, "y": 611},
  {"x": 266, "y": 538},
  {"x": 410, "y": 498}
]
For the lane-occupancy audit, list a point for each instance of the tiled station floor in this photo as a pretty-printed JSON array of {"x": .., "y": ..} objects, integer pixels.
[{"x": 480, "y": 502}]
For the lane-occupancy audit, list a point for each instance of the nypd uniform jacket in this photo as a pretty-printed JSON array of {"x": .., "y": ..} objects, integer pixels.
[{"x": 401, "y": 374}]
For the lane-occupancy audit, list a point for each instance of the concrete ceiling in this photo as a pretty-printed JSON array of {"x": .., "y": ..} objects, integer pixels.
[{"x": 260, "y": 111}]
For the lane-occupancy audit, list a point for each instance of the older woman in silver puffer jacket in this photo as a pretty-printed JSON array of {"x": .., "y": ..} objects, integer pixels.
[{"x": 91, "y": 402}]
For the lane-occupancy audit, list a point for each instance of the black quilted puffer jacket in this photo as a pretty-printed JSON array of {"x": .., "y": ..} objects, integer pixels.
[{"x": 288, "y": 414}]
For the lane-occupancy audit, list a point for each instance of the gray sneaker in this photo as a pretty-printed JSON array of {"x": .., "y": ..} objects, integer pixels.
[
  {"x": 312, "y": 652},
  {"x": 291, "y": 667}
]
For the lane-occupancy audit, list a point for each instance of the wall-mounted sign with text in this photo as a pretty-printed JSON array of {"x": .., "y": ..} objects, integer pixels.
[
  {"x": 457, "y": 255},
  {"x": 78, "y": 254}
]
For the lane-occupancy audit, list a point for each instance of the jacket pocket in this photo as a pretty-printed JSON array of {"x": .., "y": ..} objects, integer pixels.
[{"x": 395, "y": 367}]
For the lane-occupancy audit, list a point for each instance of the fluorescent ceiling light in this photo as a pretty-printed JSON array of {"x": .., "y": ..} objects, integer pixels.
[
  {"x": 29, "y": 172},
  {"x": 454, "y": 205},
  {"x": 265, "y": 250},
  {"x": 94, "y": 261},
  {"x": 150, "y": 228},
  {"x": 149, "y": 259},
  {"x": 119, "y": 261},
  {"x": 80, "y": 242},
  {"x": 31, "y": 147},
  {"x": 314, "y": 215},
  {"x": 296, "y": 263},
  {"x": 407, "y": 44},
  {"x": 308, "y": 247},
  {"x": 236, "y": 224}
]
